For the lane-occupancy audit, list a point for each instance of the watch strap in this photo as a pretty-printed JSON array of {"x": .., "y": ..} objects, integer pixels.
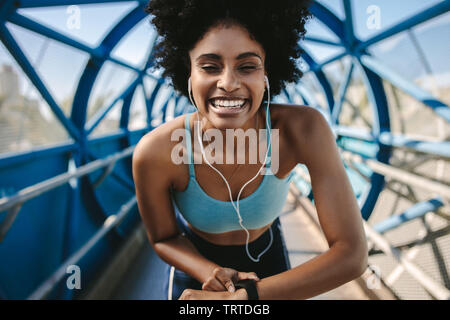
[{"x": 250, "y": 286}]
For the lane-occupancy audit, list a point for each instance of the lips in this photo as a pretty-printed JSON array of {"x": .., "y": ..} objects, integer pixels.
[{"x": 228, "y": 105}]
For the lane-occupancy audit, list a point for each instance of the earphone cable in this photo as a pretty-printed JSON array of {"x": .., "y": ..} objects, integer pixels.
[{"x": 236, "y": 206}]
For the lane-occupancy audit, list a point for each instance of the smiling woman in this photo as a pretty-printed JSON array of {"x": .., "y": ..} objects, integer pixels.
[{"x": 217, "y": 226}]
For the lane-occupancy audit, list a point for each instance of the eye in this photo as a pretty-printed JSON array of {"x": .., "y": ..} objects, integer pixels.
[
  {"x": 248, "y": 68},
  {"x": 210, "y": 68}
]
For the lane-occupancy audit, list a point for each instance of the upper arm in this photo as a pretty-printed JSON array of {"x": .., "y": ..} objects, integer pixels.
[
  {"x": 152, "y": 183},
  {"x": 337, "y": 208}
]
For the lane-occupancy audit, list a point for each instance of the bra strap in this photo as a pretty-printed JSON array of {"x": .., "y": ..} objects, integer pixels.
[{"x": 187, "y": 127}]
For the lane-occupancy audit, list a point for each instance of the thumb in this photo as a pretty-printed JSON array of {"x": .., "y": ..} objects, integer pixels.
[{"x": 230, "y": 286}]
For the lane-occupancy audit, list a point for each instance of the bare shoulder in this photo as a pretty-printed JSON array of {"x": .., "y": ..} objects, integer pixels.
[
  {"x": 304, "y": 127},
  {"x": 154, "y": 149}
]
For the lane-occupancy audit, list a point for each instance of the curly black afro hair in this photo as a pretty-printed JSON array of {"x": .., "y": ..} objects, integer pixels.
[{"x": 276, "y": 25}]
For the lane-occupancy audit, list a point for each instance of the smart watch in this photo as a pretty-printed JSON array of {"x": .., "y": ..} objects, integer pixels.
[{"x": 250, "y": 286}]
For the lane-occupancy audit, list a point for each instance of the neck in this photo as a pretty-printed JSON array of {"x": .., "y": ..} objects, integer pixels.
[{"x": 233, "y": 141}]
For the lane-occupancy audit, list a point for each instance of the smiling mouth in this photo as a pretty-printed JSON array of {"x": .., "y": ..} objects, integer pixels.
[{"x": 222, "y": 105}]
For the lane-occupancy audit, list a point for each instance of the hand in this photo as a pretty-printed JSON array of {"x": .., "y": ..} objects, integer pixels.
[
  {"x": 191, "y": 294},
  {"x": 223, "y": 279}
]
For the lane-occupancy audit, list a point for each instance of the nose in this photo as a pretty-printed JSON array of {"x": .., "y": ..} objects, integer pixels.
[{"x": 228, "y": 81}]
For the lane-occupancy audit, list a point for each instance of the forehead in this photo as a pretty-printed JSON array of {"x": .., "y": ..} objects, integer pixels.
[{"x": 226, "y": 41}]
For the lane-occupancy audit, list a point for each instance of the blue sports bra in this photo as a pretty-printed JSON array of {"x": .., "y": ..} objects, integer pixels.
[{"x": 215, "y": 216}]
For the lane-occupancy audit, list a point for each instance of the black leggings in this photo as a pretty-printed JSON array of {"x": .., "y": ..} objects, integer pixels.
[{"x": 275, "y": 260}]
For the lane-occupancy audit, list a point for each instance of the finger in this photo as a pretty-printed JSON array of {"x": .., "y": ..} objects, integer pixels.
[
  {"x": 230, "y": 286},
  {"x": 226, "y": 279},
  {"x": 248, "y": 275},
  {"x": 213, "y": 284}
]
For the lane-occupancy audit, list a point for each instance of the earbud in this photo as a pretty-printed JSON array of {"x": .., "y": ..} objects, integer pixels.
[
  {"x": 266, "y": 81},
  {"x": 189, "y": 94},
  {"x": 189, "y": 85}
]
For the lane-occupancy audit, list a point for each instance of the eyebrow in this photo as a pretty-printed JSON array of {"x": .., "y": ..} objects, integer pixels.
[{"x": 215, "y": 56}]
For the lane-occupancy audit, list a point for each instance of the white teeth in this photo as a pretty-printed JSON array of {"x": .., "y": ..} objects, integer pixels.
[{"x": 228, "y": 103}]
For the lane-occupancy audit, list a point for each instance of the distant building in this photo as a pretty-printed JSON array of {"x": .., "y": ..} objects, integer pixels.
[{"x": 9, "y": 86}]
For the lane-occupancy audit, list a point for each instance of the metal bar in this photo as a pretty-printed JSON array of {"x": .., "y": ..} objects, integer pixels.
[
  {"x": 49, "y": 184},
  {"x": 355, "y": 133},
  {"x": 439, "y": 107},
  {"x": 105, "y": 173},
  {"x": 431, "y": 236},
  {"x": 321, "y": 78},
  {"x": 34, "y": 26},
  {"x": 441, "y": 149},
  {"x": 341, "y": 94},
  {"x": 54, "y": 3},
  {"x": 401, "y": 175},
  {"x": 46, "y": 287},
  {"x": 319, "y": 66},
  {"x": 98, "y": 117},
  {"x": 433, "y": 287},
  {"x": 407, "y": 23},
  {"x": 9, "y": 220},
  {"x": 348, "y": 24},
  {"x": 14, "y": 158},
  {"x": 323, "y": 41},
  {"x": 416, "y": 211},
  {"x": 124, "y": 64},
  {"x": 26, "y": 66},
  {"x": 98, "y": 52},
  {"x": 357, "y": 113}
]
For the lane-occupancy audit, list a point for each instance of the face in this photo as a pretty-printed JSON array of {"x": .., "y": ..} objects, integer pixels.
[{"x": 227, "y": 77}]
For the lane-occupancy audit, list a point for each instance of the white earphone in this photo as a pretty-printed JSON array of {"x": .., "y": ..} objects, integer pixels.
[{"x": 236, "y": 206}]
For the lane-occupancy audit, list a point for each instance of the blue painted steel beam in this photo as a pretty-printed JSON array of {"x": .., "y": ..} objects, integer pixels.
[
  {"x": 307, "y": 97},
  {"x": 54, "y": 3},
  {"x": 416, "y": 211},
  {"x": 328, "y": 19},
  {"x": 408, "y": 23},
  {"x": 287, "y": 95},
  {"x": 323, "y": 41},
  {"x": 320, "y": 75},
  {"x": 125, "y": 112},
  {"x": 98, "y": 53},
  {"x": 356, "y": 133},
  {"x": 150, "y": 102},
  {"x": 319, "y": 66},
  {"x": 377, "y": 97},
  {"x": 440, "y": 149},
  {"x": 18, "y": 158},
  {"x": 341, "y": 93},
  {"x": 348, "y": 24},
  {"x": 34, "y": 26},
  {"x": 166, "y": 104},
  {"x": 415, "y": 91},
  {"x": 98, "y": 117},
  {"x": 28, "y": 69},
  {"x": 93, "y": 67}
]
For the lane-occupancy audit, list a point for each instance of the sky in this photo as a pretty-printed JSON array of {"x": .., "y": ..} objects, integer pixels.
[{"x": 60, "y": 66}]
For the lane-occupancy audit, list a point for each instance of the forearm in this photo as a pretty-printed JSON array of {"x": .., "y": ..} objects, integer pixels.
[
  {"x": 321, "y": 274},
  {"x": 181, "y": 253}
]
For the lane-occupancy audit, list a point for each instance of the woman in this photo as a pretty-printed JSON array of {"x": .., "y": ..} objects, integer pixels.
[{"x": 216, "y": 224}]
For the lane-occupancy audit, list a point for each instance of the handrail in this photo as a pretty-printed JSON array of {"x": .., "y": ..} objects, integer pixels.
[
  {"x": 15, "y": 202},
  {"x": 400, "y": 175},
  {"x": 113, "y": 220},
  {"x": 436, "y": 289},
  {"x": 41, "y": 187}
]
